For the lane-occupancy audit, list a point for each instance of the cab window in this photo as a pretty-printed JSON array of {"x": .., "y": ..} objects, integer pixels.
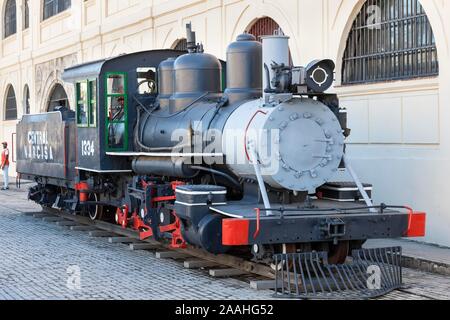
[
  {"x": 86, "y": 93},
  {"x": 92, "y": 103},
  {"x": 146, "y": 80},
  {"x": 82, "y": 104},
  {"x": 116, "y": 111},
  {"x": 116, "y": 84}
]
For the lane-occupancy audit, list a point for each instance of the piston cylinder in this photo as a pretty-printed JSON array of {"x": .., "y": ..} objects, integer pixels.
[{"x": 164, "y": 166}]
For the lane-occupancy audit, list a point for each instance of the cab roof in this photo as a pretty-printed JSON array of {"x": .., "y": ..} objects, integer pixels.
[{"x": 94, "y": 68}]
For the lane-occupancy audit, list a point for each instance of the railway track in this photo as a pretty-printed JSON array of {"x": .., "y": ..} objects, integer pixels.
[{"x": 258, "y": 276}]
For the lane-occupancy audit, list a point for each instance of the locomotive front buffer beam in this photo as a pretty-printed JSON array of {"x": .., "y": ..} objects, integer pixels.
[{"x": 279, "y": 229}]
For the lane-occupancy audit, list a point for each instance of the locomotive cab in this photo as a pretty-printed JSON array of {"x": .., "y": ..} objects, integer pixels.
[{"x": 107, "y": 93}]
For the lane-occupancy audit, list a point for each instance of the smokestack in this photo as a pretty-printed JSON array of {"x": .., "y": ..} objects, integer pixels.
[
  {"x": 275, "y": 49},
  {"x": 190, "y": 39}
]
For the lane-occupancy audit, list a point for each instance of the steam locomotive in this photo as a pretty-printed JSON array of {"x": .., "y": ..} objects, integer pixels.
[{"x": 232, "y": 157}]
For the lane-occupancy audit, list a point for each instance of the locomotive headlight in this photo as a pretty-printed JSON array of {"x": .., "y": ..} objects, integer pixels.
[{"x": 320, "y": 75}]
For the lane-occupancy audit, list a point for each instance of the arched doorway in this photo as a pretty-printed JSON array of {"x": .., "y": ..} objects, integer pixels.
[
  {"x": 263, "y": 27},
  {"x": 58, "y": 98},
  {"x": 266, "y": 27},
  {"x": 10, "y": 104}
]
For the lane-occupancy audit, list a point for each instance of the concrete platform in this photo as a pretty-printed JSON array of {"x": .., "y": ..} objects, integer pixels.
[{"x": 417, "y": 255}]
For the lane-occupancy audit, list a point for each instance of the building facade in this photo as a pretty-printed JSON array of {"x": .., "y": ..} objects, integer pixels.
[{"x": 392, "y": 73}]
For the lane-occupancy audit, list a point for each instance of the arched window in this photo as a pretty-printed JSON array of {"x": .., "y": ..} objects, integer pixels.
[
  {"x": 26, "y": 100},
  {"x": 26, "y": 14},
  {"x": 265, "y": 27},
  {"x": 10, "y": 18},
  {"x": 10, "y": 104},
  {"x": 180, "y": 45},
  {"x": 390, "y": 40},
  {"x": 58, "y": 98},
  {"x": 53, "y": 7}
]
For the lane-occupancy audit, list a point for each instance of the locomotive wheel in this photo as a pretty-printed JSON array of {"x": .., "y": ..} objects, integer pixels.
[
  {"x": 108, "y": 214},
  {"x": 95, "y": 211},
  {"x": 337, "y": 254}
]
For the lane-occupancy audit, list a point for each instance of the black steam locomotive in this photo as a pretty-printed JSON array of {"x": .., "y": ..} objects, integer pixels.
[{"x": 235, "y": 156}]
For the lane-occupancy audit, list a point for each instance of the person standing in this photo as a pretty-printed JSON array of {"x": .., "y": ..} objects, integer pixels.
[{"x": 5, "y": 166}]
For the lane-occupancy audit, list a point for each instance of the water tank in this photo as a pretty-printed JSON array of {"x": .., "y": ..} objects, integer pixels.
[
  {"x": 196, "y": 74},
  {"x": 244, "y": 74},
  {"x": 166, "y": 82}
]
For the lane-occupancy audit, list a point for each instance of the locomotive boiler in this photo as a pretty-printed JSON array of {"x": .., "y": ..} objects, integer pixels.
[{"x": 237, "y": 156}]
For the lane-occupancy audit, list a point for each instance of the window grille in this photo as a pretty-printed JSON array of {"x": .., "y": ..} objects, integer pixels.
[
  {"x": 10, "y": 18},
  {"x": 53, "y": 7},
  {"x": 26, "y": 15},
  {"x": 11, "y": 105},
  {"x": 390, "y": 40}
]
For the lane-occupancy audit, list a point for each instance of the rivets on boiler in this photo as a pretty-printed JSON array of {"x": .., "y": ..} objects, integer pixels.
[
  {"x": 294, "y": 116},
  {"x": 283, "y": 125}
]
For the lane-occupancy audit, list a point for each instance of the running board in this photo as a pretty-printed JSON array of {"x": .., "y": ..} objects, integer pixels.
[{"x": 369, "y": 273}]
